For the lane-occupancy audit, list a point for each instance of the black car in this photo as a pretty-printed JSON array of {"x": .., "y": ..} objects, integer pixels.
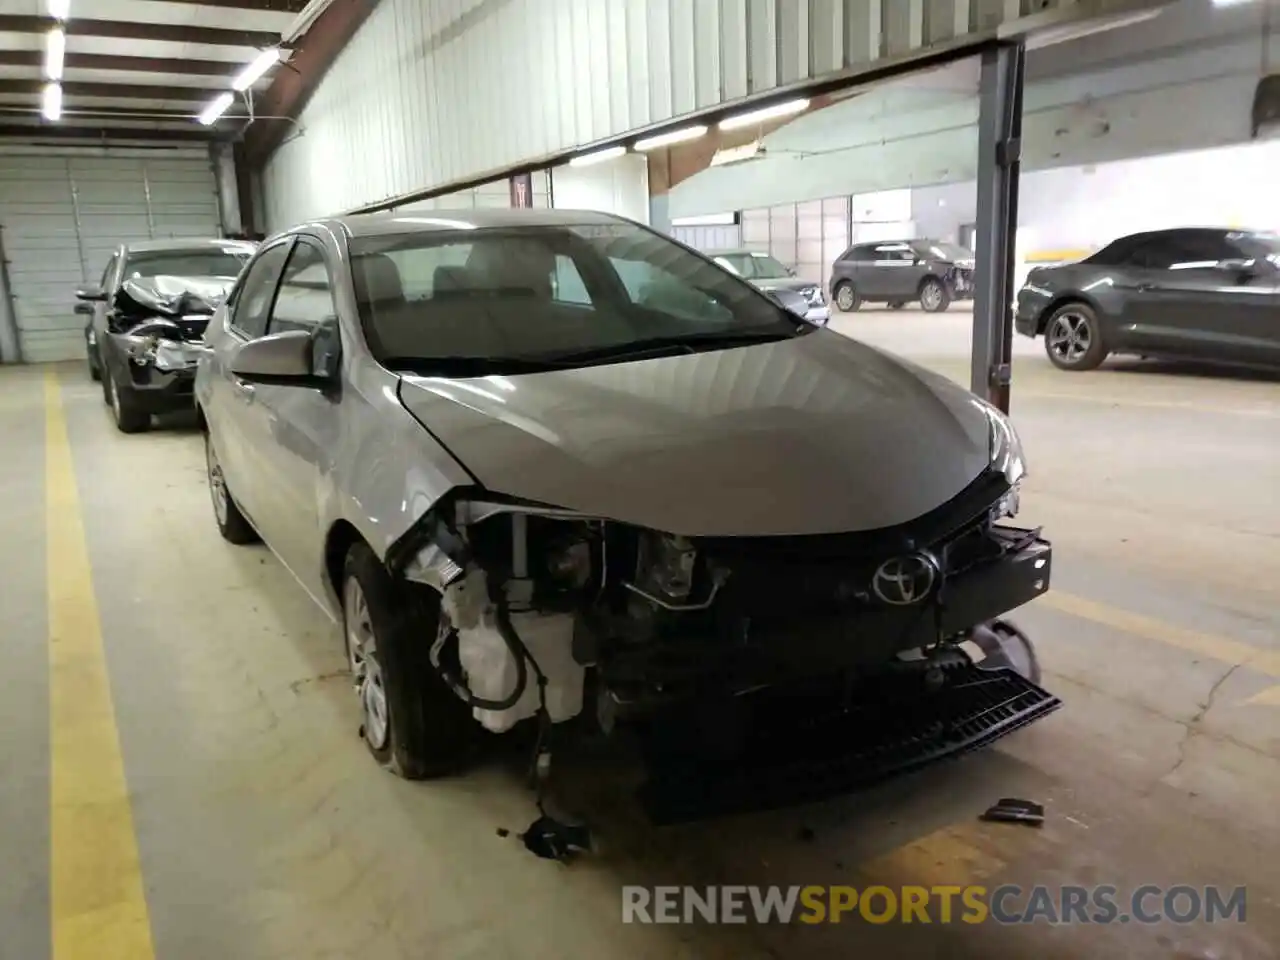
[
  {"x": 146, "y": 318},
  {"x": 1204, "y": 293},
  {"x": 933, "y": 272}
]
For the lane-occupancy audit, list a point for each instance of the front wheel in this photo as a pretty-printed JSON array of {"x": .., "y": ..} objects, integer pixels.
[
  {"x": 847, "y": 299},
  {"x": 95, "y": 373},
  {"x": 231, "y": 522},
  {"x": 411, "y": 722},
  {"x": 128, "y": 414},
  {"x": 1073, "y": 339},
  {"x": 934, "y": 295}
]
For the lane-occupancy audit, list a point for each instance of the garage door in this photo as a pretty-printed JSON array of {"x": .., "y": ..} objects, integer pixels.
[{"x": 62, "y": 214}]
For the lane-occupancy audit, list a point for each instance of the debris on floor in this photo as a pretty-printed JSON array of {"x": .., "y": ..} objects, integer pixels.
[
  {"x": 552, "y": 840},
  {"x": 1014, "y": 810}
]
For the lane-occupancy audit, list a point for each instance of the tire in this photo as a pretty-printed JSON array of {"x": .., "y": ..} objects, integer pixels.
[
  {"x": 411, "y": 722},
  {"x": 129, "y": 416},
  {"x": 94, "y": 373},
  {"x": 231, "y": 522},
  {"x": 934, "y": 295},
  {"x": 846, "y": 297},
  {"x": 1073, "y": 338}
]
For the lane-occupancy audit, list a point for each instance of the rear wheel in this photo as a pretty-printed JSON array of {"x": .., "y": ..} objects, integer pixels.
[
  {"x": 847, "y": 299},
  {"x": 1073, "y": 339},
  {"x": 129, "y": 415},
  {"x": 411, "y": 722},
  {"x": 934, "y": 295}
]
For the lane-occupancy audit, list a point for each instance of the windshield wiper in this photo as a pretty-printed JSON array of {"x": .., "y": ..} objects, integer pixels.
[
  {"x": 460, "y": 367},
  {"x": 667, "y": 346}
]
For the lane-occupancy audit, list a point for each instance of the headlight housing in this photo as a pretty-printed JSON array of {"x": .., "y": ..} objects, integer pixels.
[{"x": 1006, "y": 447}]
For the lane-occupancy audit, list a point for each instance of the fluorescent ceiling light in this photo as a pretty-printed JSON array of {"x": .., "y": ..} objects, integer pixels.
[
  {"x": 675, "y": 136},
  {"x": 55, "y": 51},
  {"x": 586, "y": 159},
  {"x": 59, "y": 9},
  {"x": 216, "y": 109},
  {"x": 784, "y": 109},
  {"x": 51, "y": 105},
  {"x": 1230, "y": 3},
  {"x": 263, "y": 62}
]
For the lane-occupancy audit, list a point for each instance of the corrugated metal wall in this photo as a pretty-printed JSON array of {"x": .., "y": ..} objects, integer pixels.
[{"x": 432, "y": 91}]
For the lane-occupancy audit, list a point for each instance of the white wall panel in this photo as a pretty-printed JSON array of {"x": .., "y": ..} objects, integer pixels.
[
  {"x": 433, "y": 92},
  {"x": 618, "y": 186}
]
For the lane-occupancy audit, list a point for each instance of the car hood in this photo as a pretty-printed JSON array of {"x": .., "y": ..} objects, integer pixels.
[
  {"x": 816, "y": 434},
  {"x": 784, "y": 283}
]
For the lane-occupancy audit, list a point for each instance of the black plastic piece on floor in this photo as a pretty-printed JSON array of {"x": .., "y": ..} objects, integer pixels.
[
  {"x": 814, "y": 743},
  {"x": 552, "y": 840},
  {"x": 1014, "y": 810}
]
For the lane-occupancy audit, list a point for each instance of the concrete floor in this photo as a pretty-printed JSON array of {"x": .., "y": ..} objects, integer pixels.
[{"x": 264, "y": 831}]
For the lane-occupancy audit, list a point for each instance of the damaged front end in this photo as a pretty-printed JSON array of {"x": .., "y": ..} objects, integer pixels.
[
  {"x": 156, "y": 325},
  {"x": 546, "y": 612}
]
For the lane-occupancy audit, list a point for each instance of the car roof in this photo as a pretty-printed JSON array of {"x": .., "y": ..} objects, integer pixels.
[
  {"x": 187, "y": 243},
  {"x": 420, "y": 221}
]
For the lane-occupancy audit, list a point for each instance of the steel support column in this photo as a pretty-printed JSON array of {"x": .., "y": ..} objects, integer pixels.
[{"x": 999, "y": 150}]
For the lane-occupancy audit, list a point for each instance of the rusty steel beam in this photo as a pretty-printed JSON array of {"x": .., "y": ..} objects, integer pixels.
[
  {"x": 131, "y": 64},
  {"x": 270, "y": 6},
  {"x": 294, "y": 83},
  {"x": 123, "y": 91},
  {"x": 129, "y": 30}
]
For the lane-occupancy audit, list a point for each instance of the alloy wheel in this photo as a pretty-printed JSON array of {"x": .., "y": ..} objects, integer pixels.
[
  {"x": 845, "y": 298},
  {"x": 217, "y": 482},
  {"x": 366, "y": 671},
  {"x": 931, "y": 296},
  {"x": 1070, "y": 337}
]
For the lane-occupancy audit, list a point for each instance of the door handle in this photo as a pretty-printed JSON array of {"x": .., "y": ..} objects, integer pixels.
[{"x": 244, "y": 390}]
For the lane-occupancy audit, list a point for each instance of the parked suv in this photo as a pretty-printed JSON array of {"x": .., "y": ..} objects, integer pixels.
[{"x": 933, "y": 272}]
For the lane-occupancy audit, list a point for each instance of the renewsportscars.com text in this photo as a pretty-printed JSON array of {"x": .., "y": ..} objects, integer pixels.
[{"x": 1007, "y": 904}]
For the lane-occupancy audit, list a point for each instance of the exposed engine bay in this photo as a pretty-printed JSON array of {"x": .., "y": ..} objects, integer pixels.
[
  {"x": 158, "y": 324},
  {"x": 546, "y": 611}
]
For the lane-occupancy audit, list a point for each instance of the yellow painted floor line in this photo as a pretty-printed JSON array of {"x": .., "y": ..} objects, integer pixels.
[
  {"x": 97, "y": 902},
  {"x": 1210, "y": 645}
]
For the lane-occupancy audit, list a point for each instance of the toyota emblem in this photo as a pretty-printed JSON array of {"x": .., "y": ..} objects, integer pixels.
[{"x": 902, "y": 581}]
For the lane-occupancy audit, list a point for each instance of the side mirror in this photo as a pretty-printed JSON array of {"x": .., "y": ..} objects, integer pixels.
[
  {"x": 282, "y": 359},
  {"x": 92, "y": 294},
  {"x": 84, "y": 307}
]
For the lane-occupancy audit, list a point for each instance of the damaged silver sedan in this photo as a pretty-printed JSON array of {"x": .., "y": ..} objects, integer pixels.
[
  {"x": 551, "y": 466},
  {"x": 147, "y": 318}
]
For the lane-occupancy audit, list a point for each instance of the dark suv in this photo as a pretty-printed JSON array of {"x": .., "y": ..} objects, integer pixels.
[{"x": 933, "y": 272}]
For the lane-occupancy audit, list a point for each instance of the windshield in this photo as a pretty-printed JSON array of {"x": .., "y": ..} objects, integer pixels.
[
  {"x": 943, "y": 250},
  {"x": 185, "y": 263},
  {"x": 753, "y": 266},
  {"x": 562, "y": 295}
]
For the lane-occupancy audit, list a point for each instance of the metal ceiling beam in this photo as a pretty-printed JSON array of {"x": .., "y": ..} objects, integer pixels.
[
  {"x": 104, "y": 61},
  {"x": 128, "y": 30},
  {"x": 11, "y": 131},
  {"x": 122, "y": 91},
  {"x": 139, "y": 113},
  {"x": 269, "y": 6},
  {"x": 313, "y": 54}
]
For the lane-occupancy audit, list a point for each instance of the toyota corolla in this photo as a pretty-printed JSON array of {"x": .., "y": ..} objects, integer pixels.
[{"x": 546, "y": 465}]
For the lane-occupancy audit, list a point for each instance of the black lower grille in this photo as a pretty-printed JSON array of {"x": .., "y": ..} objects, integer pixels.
[{"x": 808, "y": 745}]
